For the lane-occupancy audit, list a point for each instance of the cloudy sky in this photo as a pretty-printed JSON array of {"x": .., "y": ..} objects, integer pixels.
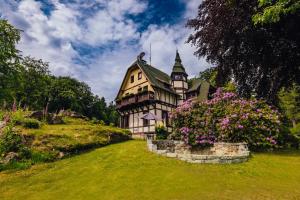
[{"x": 96, "y": 40}]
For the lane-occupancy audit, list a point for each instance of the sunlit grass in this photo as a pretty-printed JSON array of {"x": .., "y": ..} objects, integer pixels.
[{"x": 128, "y": 171}]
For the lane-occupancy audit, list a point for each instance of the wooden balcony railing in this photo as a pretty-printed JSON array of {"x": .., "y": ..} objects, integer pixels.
[{"x": 138, "y": 98}]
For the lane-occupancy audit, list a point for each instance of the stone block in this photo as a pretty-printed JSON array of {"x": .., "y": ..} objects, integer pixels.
[{"x": 172, "y": 155}]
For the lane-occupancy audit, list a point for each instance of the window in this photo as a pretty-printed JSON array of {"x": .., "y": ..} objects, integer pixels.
[
  {"x": 125, "y": 122},
  {"x": 145, "y": 88},
  {"x": 177, "y": 77},
  {"x": 140, "y": 90},
  {"x": 132, "y": 79},
  {"x": 165, "y": 117},
  {"x": 140, "y": 75},
  {"x": 145, "y": 121}
]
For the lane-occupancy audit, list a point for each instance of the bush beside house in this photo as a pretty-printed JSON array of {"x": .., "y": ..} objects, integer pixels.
[{"x": 227, "y": 118}]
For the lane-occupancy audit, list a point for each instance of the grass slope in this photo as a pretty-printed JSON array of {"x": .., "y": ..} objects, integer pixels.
[
  {"x": 128, "y": 171},
  {"x": 52, "y": 142}
]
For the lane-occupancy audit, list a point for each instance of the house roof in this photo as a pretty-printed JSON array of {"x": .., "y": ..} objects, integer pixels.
[
  {"x": 156, "y": 77},
  {"x": 201, "y": 86},
  {"x": 195, "y": 84},
  {"x": 178, "y": 67}
]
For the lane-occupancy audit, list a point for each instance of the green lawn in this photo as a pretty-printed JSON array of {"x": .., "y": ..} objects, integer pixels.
[{"x": 128, "y": 171}]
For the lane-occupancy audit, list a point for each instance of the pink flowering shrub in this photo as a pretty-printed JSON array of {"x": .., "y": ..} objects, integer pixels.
[{"x": 227, "y": 118}]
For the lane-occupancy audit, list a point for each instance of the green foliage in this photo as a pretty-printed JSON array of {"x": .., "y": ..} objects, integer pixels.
[
  {"x": 209, "y": 75},
  {"x": 161, "y": 133},
  {"x": 31, "y": 123},
  {"x": 12, "y": 142},
  {"x": 296, "y": 130},
  {"x": 9, "y": 57},
  {"x": 18, "y": 116},
  {"x": 272, "y": 11},
  {"x": 290, "y": 103},
  {"x": 230, "y": 87},
  {"x": 35, "y": 80}
]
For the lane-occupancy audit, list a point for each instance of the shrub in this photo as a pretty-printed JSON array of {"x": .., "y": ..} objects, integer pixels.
[
  {"x": 227, "y": 118},
  {"x": 296, "y": 130},
  {"x": 161, "y": 133},
  {"x": 31, "y": 123},
  {"x": 12, "y": 142},
  {"x": 18, "y": 116}
]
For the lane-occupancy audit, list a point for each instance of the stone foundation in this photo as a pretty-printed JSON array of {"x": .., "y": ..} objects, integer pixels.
[{"x": 219, "y": 153}]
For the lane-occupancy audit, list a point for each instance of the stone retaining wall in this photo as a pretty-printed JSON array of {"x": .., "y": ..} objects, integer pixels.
[{"x": 218, "y": 153}]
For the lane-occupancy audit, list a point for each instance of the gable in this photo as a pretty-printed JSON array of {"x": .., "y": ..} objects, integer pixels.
[{"x": 129, "y": 87}]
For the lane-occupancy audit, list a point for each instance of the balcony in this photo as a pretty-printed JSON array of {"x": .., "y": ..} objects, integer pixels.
[{"x": 139, "y": 98}]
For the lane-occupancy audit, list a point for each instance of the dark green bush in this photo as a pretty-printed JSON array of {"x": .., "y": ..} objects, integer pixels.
[
  {"x": 31, "y": 123},
  {"x": 161, "y": 133}
]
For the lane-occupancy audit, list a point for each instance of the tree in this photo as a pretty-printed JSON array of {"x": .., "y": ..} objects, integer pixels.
[
  {"x": 9, "y": 57},
  {"x": 209, "y": 75},
  {"x": 261, "y": 59},
  {"x": 271, "y": 11},
  {"x": 290, "y": 103},
  {"x": 33, "y": 91},
  {"x": 69, "y": 93}
]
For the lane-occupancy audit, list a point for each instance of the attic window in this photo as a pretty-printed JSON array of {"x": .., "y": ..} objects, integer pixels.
[
  {"x": 140, "y": 75},
  {"x": 132, "y": 79}
]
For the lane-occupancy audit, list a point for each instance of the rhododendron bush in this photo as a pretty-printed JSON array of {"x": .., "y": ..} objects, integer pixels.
[{"x": 227, "y": 118}]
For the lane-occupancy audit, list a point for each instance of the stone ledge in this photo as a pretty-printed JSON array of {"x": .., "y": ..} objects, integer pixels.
[{"x": 220, "y": 153}]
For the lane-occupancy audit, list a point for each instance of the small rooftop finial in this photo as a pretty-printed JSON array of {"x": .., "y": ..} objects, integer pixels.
[
  {"x": 140, "y": 56},
  {"x": 177, "y": 58}
]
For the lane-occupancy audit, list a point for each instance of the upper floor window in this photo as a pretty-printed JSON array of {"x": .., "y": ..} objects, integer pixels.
[
  {"x": 145, "y": 88},
  {"x": 140, "y": 75},
  {"x": 140, "y": 89},
  {"x": 165, "y": 117},
  {"x": 132, "y": 79}
]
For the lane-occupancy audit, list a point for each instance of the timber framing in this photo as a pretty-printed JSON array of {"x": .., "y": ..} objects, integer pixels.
[{"x": 146, "y": 89}]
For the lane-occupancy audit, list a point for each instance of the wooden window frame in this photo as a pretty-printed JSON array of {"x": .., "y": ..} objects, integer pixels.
[
  {"x": 140, "y": 75},
  {"x": 131, "y": 78}
]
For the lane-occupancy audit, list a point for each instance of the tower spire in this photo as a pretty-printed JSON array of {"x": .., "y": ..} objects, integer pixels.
[{"x": 178, "y": 67}]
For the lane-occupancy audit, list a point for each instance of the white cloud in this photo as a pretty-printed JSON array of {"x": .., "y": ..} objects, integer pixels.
[
  {"x": 164, "y": 42},
  {"x": 110, "y": 24},
  {"x": 50, "y": 37}
]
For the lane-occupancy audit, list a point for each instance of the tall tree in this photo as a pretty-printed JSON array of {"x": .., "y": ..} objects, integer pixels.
[
  {"x": 33, "y": 90},
  {"x": 261, "y": 59},
  {"x": 9, "y": 57}
]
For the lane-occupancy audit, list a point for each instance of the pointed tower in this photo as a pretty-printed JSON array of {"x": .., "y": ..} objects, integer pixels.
[{"x": 179, "y": 79}]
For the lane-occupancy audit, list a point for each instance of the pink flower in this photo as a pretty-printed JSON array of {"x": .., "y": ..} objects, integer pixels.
[{"x": 240, "y": 126}]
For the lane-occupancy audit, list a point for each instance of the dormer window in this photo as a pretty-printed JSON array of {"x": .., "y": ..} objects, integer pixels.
[
  {"x": 132, "y": 79},
  {"x": 139, "y": 75}
]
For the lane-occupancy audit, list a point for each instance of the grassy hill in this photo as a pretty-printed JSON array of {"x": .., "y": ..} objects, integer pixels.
[
  {"x": 128, "y": 171},
  {"x": 47, "y": 142}
]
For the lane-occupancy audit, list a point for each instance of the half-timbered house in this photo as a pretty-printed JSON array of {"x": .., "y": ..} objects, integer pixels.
[{"x": 146, "y": 89}]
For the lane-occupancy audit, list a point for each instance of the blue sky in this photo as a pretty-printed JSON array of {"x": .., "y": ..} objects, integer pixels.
[{"x": 96, "y": 40}]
